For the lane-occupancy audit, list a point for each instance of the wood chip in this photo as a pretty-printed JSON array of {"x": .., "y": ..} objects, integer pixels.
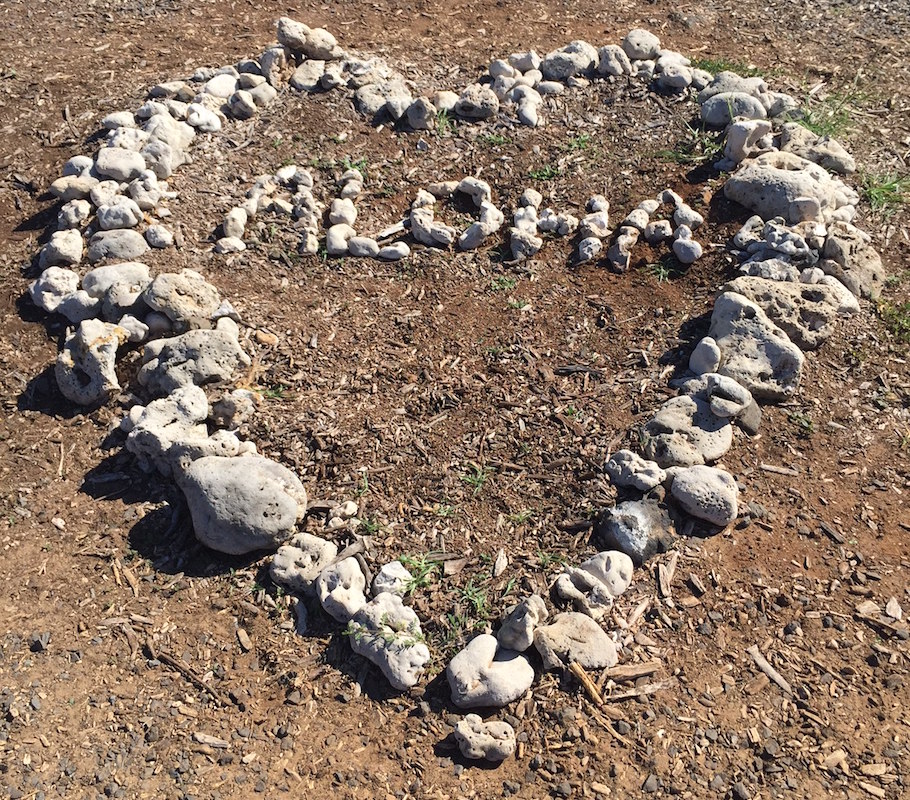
[
  {"x": 697, "y": 586},
  {"x": 663, "y": 580},
  {"x": 778, "y": 470},
  {"x": 629, "y": 672},
  {"x": 874, "y": 770},
  {"x": 244, "y": 638},
  {"x": 211, "y": 741}
]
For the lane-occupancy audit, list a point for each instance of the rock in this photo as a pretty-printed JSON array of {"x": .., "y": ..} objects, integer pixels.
[
  {"x": 73, "y": 214},
  {"x": 169, "y": 433},
  {"x": 636, "y": 218},
  {"x": 202, "y": 118},
  {"x": 638, "y": 528},
  {"x": 586, "y": 593},
  {"x": 79, "y": 306},
  {"x": 179, "y": 135},
  {"x": 492, "y": 741},
  {"x": 120, "y": 245},
  {"x": 241, "y": 105},
  {"x": 145, "y": 191},
  {"x": 320, "y": 44},
  {"x": 769, "y": 183},
  {"x": 196, "y": 357},
  {"x": 658, "y": 231},
  {"x": 807, "y": 313},
  {"x": 530, "y": 198},
  {"x": 363, "y": 247},
  {"x": 307, "y": 76},
  {"x": 375, "y": 97},
  {"x": 105, "y": 193},
  {"x": 119, "y": 164},
  {"x": 707, "y": 493},
  {"x": 726, "y": 82},
  {"x": 686, "y": 216},
  {"x": 589, "y": 248},
  {"x": 300, "y": 561},
  {"x": 161, "y": 159},
  {"x": 754, "y": 352},
  {"x": 421, "y": 115},
  {"x": 292, "y": 34},
  {"x": 524, "y": 62},
  {"x": 705, "y": 356},
  {"x": 517, "y": 630},
  {"x": 596, "y": 224},
  {"x": 772, "y": 269},
  {"x": 229, "y": 244},
  {"x": 477, "y": 102},
  {"x": 263, "y": 95},
  {"x": 99, "y": 281},
  {"x": 629, "y": 470},
  {"x": 620, "y": 253},
  {"x": 573, "y": 637},
  {"x": 122, "y": 212},
  {"x": 612, "y": 568},
  {"x": 185, "y": 297},
  {"x": 483, "y": 675},
  {"x": 64, "y": 247},
  {"x": 340, "y": 588},
  {"x": 73, "y": 187},
  {"x": 158, "y": 237},
  {"x": 612, "y": 60},
  {"x": 221, "y": 86},
  {"x": 395, "y": 251},
  {"x": 822, "y": 150},
  {"x": 685, "y": 248},
  {"x": 725, "y": 396},
  {"x": 392, "y": 577},
  {"x": 684, "y": 431},
  {"x": 524, "y": 244},
  {"x": 273, "y": 65},
  {"x": 337, "y": 238},
  {"x": 747, "y": 139},
  {"x": 850, "y": 257},
  {"x": 52, "y": 286},
  {"x": 445, "y": 101},
  {"x": 674, "y": 76},
  {"x": 242, "y": 504},
  {"x": 234, "y": 408},
  {"x": 78, "y": 165},
  {"x": 640, "y": 44},
  {"x": 342, "y": 212},
  {"x": 721, "y": 109},
  {"x": 478, "y": 190},
  {"x": 387, "y": 632},
  {"x": 576, "y": 58},
  {"x": 85, "y": 367}
]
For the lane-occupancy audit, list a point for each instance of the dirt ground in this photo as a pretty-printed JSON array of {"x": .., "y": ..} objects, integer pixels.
[{"x": 467, "y": 405}]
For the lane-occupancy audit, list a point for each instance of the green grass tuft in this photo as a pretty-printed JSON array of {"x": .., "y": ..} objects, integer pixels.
[{"x": 885, "y": 193}]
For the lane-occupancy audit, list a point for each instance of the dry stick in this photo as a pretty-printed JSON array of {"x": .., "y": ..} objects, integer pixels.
[
  {"x": 628, "y": 672},
  {"x": 641, "y": 691},
  {"x": 762, "y": 663},
  {"x": 585, "y": 680},
  {"x": 187, "y": 673}
]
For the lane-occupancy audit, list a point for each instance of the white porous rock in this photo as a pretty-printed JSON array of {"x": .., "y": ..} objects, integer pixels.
[
  {"x": 429, "y": 232},
  {"x": 146, "y": 191},
  {"x": 485, "y": 675},
  {"x": 576, "y": 58},
  {"x": 521, "y": 620},
  {"x": 491, "y": 219},
  {"x": 73, "y": 187},
  {"x": 684, "y": 431},
  {"x": 337, "y": 238},
  {"x": 392, "y": 577},
  {"x": 159, "y": 237},
  {"x": 684, "y": 214},
  {"x": 523, "y": 244},
  {"x": 589, "y": 248},
  {"x": 104, "y": 193},
  {"x": 234, "y": 408},
  {"x": 478, "y": 190},
  {"x": 477, "y": 102},
  {"x": 612, "y": 568},
  {"x": 221, "y": 86},
  {"x": 620, "y": 253},
  {"x": 119, "y": 164},
  {"x": 342, "y": 212},
  {"x": 685, "y": 248},
  {"x": 122, "y": 212},
  {"x": 242, "y": 105},
  {"x": 845, "y": 298},
  {"x": 822, "y": 150},
  {"x": 629, "y": 470},
  {"x": 727, "y": 82},
  {"x": 708, "y": 493},
  {"x": 308, "y": 76},
  {"x": 79, "y": 306},
  {"x": 78, "y": 165},
  {"x": 725, "y": 396},
  {"x": 242, "y": 504},
  {"x": 395, "y": 251},
  {"x": 421, "y": 115},
  {"x": 341, "y": 589},
  {"x": 641, "y": 45},
  {"x": 658, "y": 231},
  {"x": 638, "y": 528},
  {"x": 169, "y": 433},
  {"x": 720, "y": 110},
  {"x": 196, "y": 357},
  {"x": 234, "y": 223},
  {"x": 747, "y": 139},
  {"x": 705, "y": 357},
  {"x": 674, "y": 76},
  {"x": 73, "y": 214},
  {"x": 525, "y": 219},
  {"x": 64, "y": 247},
  {"x": 387, "y": 632},
  {"x": 186, "y": 297},
  {"x": 52, "y": 286},
  {"x": 773, "y": 269},
  {"x": 138, "y": 331},
  {"x": 85, "y": 367},
  {"x": 120, "y": 245},
  {"x": 595, "y": 224},
  {"x": 850, "y": 257},
  {"x": 202, "y": 118},
  {"x": 492, "y": 741},
  {"x": 754, "y": 351},
  {"x": 612, "y": 60},
  {"x": 299, "y": 562},
  {"x": 574, "y": 637}
]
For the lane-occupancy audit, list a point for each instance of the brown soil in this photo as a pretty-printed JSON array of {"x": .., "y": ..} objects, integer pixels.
[{"x": 392, "y": 385}]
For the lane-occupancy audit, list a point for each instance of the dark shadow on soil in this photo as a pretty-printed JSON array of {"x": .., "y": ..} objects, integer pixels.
[{"x": 42, "y": 394}]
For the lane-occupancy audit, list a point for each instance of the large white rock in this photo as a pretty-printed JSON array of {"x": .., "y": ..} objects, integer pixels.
[
  {"x": 684, "y": 431},
  {"x": 629, "y": 470},
  {"x": 119, "y": 164},
  {"x": 707, "y": 493},
  {"x": 393, "y": 578},
  {"x": 517, "y": 631},
  {"x": 640, "y": 44},
  {"x": 850, "y": 257},
  {"x": 388, "y": 633},
  {"x": 754, "y": 351},
  {"x": 341, "y": 589},
  {"x": 52, "y": 286},
  {"x": 186, "y": 297},
  {"x": 85, "y": 366},
  {"x": 485, "y": 675},
  {"x": 122, "y": 212},
  {"x": 574, "y": 637},
  {"x": 576, "y": 58},
  {"x": 122, "y": 245},
  {"x": 242, "y": 504},
  {"x": 64, "y": 247}
]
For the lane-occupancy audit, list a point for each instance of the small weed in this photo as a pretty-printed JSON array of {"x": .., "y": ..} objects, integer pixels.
[
  {"x": 494, "y": 139},
  {"x": 277, "y": 142},
  {"x": 508, "y": 588},
  {"x": 521, "y": 517},
  {"x": 371, "y": 525},
  {"x": 885, "y": 193},
  {"x": 476, "y": 477},
  {"x": 715, "y": 65},
  {"x": 545, "y": 173},
  {"x": 422, "y": 570},
  {"x": 502, "y": 283},
  {"x": 360, "y": 165},
  {"x": 444, "y": 511},
  {"x": 581, "y": 142},
  {"x": 803, "y": 422},
  {"x": 445, "y": 124},
  {"x": 273, "y": 392},
  {"x": 903, "y": 437},
  {"x": 699, "y": 147},
  {"x": 831, "y": 116},
  {"x": 546, "y": 560},
  {"x": 897, "y": 320},
  {"x": 518, "y": 303},
  {"x": 477, "y": 598},
  {"x": 364, "y": 486},
  {"x": 663, "y": 270},
  {"x": 571, "y": 412},
  {"x": 287, "y": 161}
]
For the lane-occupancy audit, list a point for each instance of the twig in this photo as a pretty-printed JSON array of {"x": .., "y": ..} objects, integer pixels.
[
  {"x": 641, "y": 691},
  {"x": 187, "y": 673},
  {"x": 762, "y": 663},
  {"x": 628, "y": 672},
  {"x": 587, "y": 684}
]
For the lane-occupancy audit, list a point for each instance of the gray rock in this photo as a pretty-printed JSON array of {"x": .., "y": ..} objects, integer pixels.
[
  {"x": 119, "y": 164},
  {"x": 202, "y": 118},
  {"x": 612, "y": 568},
  {"x": 850, "y": 257},
  {"x": 492, "y": 741},
  {"x": 585, "y": 592},
  {"x": 341, "y": 589},
  {"x": 85, "y": 366},
  {"x": 64, "y": 247},
  {"x": 163, "y": 127},
  {"x": 122, "y": 212},
  {"x": 342, "y": 212},
  {"x": 79, "y": 306},
  {"x": 241, "y": 105},
  {"x": 132, "y": 274},
  {"x": 146, "y": 191},
  {"x": 484, "y": 675},
  {"x": 629, "y": 470},
  {"x": 387, "y": 632},
  {"x": 772, "y": 269},
  {"x": 589, "y": 248},
  {"x": 158, "y": 237},
  {"x": 118, "y": 245},
  {"x": 392, "y": 577},
  {"x": 292, "y": 34},
  {"x": 394, "y": 252},
  {"x": 638, "y": 528},
  {"x": 221, "y": 86},
  {"x": 421, "y": 115},
  {"x": 242, "y": 504},
  {"x": 161, "y": 159},
  {"x": 640, "y": 44},
  {"x": 754, "y": 352},
  {"x": 822, "y": 150},
  {"x": 658, "y": 231},
  {"x": 524, "y": 62},
  {"x": 612, "y": 60},
  {"x": 363, "y": 247},
  {"x": 684, "y": 431},
  {"x": 596, "y": 224},
  {"x": 685, "y": 248},
  {"x": 517, "y": 630},
  {"x": 574, "y": 637},
  {"x": 299, "y": 562},
  {"x": 73, "y": 187},
  {"x": 477, "y": 102},
  {"x": 234, "y": 408},
  {"x": 725, "y": 396},
  {"x": 707, "y": 493},
  {"x": 78, "y": 165},
  {"x": 747, "y": 139},
  {"x": 705, "y": 357},
  {"x": 726, "y": 82},
  {"x": 52, "y": 286},
  {"x": 337, "y": 238},
  {"x": 186, "y": 297},
  {"x": 721, "y": 109},
  {"x": 73, "y": 214},
  {"x": 307, "y": 76},
  {"x": 523, "y": 244},
  {"x": 105, "y": 193},
  {"x": 576, "y": 58},
  {"x": 195, "y": 357},
  {"x": 620, "y": 253},
  {"x": 234, "y": 223}
]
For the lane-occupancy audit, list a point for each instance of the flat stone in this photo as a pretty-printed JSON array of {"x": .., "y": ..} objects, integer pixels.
[
  {"x": 485, "y": 675},
  {"x": 119, "y": 164},
  {"x": 823, "y": 150},
  {"x": 186, "y": 297},
  {"x": 119, "y": 245},
  {"x": 573, "y": 637}
]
